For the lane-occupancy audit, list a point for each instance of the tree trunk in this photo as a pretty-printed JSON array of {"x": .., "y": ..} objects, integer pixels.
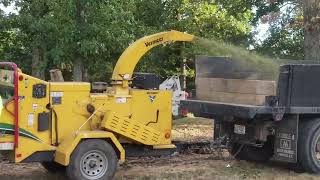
[
  {"x": 184, "y": 74},
  {"x": 38, "y": 63},
  {"x": 78, "y": 63},
  {"x": 77, "y": 69},
  {"x": 85, "y": 75},
  {"x": 311, "y": 9}
]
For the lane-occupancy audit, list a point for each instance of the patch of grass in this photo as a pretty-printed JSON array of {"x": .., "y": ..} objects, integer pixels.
[
  {"x": 195, "y": 174},
  {"x": 192, "y": 129},
  {"x": 192, "y": 121},
  {"x": 245, "y": 170}
]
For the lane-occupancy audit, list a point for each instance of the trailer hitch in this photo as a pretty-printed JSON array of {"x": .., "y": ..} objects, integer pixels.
[{"x": 278, "y": 113}]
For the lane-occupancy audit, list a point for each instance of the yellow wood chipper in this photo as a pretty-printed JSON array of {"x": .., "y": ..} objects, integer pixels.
[{"x": 63, "y": 125}]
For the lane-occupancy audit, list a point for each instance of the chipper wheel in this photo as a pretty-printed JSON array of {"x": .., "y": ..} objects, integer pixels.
[
  {"x": 309, "y": 145},
  {"x": 93, "y": 160}
]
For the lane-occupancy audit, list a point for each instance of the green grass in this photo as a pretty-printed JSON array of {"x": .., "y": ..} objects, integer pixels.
[{"x": 192, "y": 121}]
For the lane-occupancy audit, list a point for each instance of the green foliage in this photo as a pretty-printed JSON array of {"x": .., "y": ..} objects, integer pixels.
[
  {"x": 108, "y": 27},
  {"x": 104, "y": 34},
  {"x": 207, "y": 18},
  {"x": 11, "y": 43},
  {"x": 285, "y": 38}
]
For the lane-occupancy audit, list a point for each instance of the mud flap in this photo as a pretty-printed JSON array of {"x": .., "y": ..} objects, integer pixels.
[{"x": 285, "y": 146}]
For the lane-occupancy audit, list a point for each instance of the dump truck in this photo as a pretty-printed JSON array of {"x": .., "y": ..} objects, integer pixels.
[
  {"x": 284, "y": 128},
  {"x": 65, "y": 126}
]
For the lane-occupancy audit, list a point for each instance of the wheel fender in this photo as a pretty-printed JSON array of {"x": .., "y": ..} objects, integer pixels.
[{"x": 69, "y": 144}]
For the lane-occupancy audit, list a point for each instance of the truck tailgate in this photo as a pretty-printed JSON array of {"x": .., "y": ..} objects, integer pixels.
[{"x": 211, "y": 109}]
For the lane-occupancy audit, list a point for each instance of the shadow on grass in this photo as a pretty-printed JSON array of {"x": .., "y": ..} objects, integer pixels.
[{"x": 35, "y": 176}]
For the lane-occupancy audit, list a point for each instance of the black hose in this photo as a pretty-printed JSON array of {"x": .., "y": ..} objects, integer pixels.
[
  {"x": 49, "y": 107},
  {"x": 56, "y": 125}
]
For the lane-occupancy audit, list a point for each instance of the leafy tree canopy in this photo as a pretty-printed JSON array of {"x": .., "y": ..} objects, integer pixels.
[{"x": 59, "y": 32}]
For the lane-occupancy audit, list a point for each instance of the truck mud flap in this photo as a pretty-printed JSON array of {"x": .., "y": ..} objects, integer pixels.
[{"x": 285, "y": 147}]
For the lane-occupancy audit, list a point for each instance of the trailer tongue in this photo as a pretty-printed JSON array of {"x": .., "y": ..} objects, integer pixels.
[{"x": 285, "y": 128}]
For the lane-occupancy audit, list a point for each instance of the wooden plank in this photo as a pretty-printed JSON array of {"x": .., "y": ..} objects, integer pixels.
[
  {"x": 3, "y": 83},
  {"x": 250, "y": 75},
  {"x": 236, "y": 98},
  {"x": 256, "y": 87}
]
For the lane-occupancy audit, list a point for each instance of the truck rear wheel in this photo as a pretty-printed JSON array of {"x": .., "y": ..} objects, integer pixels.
[
  {"x": 252, "y": 153},
  {"x": 309, "y": 145},
  {"x": 93, "y": 160}
]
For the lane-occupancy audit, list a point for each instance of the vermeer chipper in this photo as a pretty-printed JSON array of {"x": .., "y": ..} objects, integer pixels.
[{"x": 62, "y": 124}]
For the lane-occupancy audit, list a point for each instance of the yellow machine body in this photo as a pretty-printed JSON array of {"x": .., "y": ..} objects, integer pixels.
[{"x": 55, "y": 116}]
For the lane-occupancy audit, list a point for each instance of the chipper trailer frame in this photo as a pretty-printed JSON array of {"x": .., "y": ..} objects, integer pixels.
[
  {"x": 286, "y": 128},
  {"x": 64, "y": 126}
]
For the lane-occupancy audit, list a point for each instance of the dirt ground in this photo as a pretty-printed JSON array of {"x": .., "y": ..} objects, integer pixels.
[{"x": 217, "y": 165}]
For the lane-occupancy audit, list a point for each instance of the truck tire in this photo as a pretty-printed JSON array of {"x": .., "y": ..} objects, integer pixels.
[
  {"x": 252, "y": 153},
  {"x": 309, "y": 145},
  {"x": 53, "y": 167},
  {"x": 93, "y": 159}
]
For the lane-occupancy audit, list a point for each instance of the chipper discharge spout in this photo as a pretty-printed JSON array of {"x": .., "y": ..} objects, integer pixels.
[{"x": 122, "y": 73}]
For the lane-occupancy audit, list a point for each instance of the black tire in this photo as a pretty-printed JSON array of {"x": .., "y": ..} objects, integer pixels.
[
  {"x": 252, "y": 153},
  {"x": 93, "y": 159},
  {"x": 53, "y": 167},
  {"x": 309, "y": 134}
]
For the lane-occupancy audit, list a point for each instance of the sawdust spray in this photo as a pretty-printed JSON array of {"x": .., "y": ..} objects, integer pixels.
[{"x": 260, "y": 64}]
